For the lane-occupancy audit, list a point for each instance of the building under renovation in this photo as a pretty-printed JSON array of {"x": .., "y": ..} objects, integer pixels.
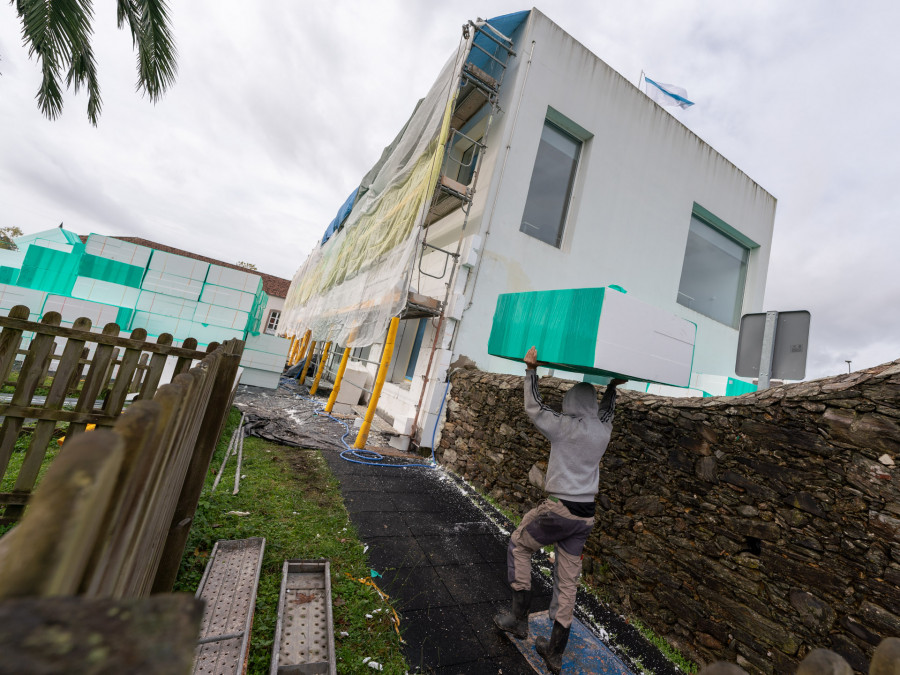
[{"x": 530, "y": 164}]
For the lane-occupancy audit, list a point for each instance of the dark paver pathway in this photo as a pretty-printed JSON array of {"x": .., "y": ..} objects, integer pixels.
[{"x": 441, "y": 560}]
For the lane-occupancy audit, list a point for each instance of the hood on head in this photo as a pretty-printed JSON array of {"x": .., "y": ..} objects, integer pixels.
[{"x": 580, "y": 400}]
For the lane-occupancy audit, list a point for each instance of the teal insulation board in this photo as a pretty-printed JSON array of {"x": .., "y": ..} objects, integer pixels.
[
  {"x": 562, "y": 324},
  {"x": 112, "y": 271},
  {"x": 595, "y": 331},
  {"x": 50, "y": 270}
]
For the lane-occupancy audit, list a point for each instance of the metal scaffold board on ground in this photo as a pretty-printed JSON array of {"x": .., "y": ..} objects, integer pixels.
[
  {"x": 304, "y": 634},
  {"x": 229, "y": 589}
]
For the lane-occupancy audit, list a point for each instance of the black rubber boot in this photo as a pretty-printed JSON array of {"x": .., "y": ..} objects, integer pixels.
[
  {"x": 552, "y": 649},
  {"x": 515, "y": 620}
]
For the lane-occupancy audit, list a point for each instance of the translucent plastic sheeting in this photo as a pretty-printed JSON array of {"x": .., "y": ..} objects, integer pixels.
[
  {"x": 341, "y": 216},
  {"x": 349, "y": 287}
]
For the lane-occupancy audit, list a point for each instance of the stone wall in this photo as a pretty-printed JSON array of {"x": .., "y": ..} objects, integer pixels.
[{"x": 749, "y": 529}]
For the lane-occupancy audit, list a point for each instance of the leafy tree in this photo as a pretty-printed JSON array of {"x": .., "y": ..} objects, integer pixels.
[
  {"x": 58, "y": 33},
  {"x": 7, "y": 234},
  {"x": 11, "y": 231},
  {"x": 249, "y": 266}
]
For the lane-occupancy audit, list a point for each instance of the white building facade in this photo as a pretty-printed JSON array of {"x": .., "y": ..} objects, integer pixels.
[{"x": 584, "y": 182}]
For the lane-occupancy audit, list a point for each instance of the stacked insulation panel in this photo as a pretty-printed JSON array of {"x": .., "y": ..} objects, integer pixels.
[
  {"x": 263, "y": 360},
  {"x": 49, "y": 261},
  {"x": 595, "y": 331},
  {"x": 110, "y": 280},
  {"x": 110, "y": 273},
  {"x": 170, "y": 291}
]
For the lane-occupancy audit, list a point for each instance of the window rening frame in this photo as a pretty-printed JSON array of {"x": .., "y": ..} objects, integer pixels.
[
  {"x": 714, "y": 268},
  {"x": 273, "y": 320},
  {"x": 553, "y": 177}
]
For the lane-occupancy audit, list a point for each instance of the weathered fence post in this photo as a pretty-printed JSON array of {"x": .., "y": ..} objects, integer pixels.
[
  {"x": 210, "y": 429},
  {"x": 49, "y": 550}
]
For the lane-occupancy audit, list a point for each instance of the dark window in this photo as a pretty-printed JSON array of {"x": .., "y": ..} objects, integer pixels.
[
  {"x": 417, "y": 346},
  {"x": 714, "y": 272},
  {"x": 272, "y": 324},
  {"x": 550, "y": 190}
]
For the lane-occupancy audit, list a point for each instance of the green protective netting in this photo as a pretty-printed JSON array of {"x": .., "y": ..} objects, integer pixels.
[
  {"x": 561, "y": 324},
  {"x": 49, "y": 270},
  {"x": 8, "y": 275},
  {"x": 254, "y": 323},
  {"x": 113, "y": 271}
]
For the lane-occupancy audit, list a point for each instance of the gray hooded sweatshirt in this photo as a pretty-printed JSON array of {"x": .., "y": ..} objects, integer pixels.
[{"x": 578, "y": 437}]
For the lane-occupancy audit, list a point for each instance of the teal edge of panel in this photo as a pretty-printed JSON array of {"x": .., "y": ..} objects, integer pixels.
[
  {"x": 570, "y": 338},
  {"x": 693, "y": 351},
  {"x": 9, "y": 275},
  {"x": 123, "y": 318},
  {"x": 737, "y": 387},
  {"x": 112, "y": 271},
  {"x": 509, "y": 302},
  {"x": 71, "y": 237}
]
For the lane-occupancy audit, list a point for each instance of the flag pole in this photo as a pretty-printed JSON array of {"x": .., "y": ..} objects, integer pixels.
[{"x": 641, "y": 77}]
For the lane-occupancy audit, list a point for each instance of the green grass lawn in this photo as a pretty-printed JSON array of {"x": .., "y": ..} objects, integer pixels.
[
  {"x": 293, "y": 501},
  {"x": 8, "y": 480}
]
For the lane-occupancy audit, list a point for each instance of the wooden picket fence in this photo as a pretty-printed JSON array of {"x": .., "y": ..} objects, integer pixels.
[{"x": 111, "y": 516}]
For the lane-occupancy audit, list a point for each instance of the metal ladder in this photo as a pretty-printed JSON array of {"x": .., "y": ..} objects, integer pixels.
[{"x": 476, "y": 87}]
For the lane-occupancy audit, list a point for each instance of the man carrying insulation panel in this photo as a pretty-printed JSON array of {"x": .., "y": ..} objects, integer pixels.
[{"x": 578, "y": 438}]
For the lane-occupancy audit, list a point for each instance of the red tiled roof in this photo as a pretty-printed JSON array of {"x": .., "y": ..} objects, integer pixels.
[{"x": 272, "y": 285}]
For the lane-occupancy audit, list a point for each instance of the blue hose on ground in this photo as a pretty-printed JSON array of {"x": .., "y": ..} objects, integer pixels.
[{"x": 370, "y": 457}]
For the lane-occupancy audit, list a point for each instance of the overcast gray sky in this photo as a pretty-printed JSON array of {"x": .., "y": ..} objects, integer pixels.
[{"x": 281, "y": 106}]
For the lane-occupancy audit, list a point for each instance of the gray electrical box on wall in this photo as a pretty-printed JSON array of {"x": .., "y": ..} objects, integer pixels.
[{"x": 773, "y": 345}]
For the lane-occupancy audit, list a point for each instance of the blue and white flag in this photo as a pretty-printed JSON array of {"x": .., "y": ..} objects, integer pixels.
[{"x": 667, "y": 94}]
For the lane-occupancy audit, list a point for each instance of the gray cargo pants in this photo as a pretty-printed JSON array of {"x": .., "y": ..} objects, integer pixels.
[{"x": 550, "y": 522}]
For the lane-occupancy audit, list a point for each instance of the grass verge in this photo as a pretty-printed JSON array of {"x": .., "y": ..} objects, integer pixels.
[
  {"x": 8, "y": 480},
  {"x": 292, "y": 499},
  {"x": 668, "y": 650}
]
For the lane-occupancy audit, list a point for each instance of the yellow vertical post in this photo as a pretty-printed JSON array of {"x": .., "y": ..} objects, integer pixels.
[
  {"x": 312, "y": 392},
  {"x": 304, "y": 343},
  {"x": 309, "y": 353},
  {"x": 337, "y": 381},
  {"x": 290, "y": 354},
  {"x": 379, "y": 383}
]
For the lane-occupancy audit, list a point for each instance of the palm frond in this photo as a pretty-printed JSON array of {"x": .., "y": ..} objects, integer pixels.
[
  {"x": 157, "y": 54},
  {"x": 127, "y": 12},
  {"x": 58, "y": 34}
]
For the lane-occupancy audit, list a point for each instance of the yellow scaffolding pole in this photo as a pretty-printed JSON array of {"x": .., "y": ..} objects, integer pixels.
[
  {"x": 312, "y": 392},
  {"x": 337, "y": 380},
  {"x": 290, "y": 354},
  {"x": 298, "y": 346},
  {"x": 309, "y": 353},
  {"x": 379, "y": 383},
  {"x": 301, "y": 349}
]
